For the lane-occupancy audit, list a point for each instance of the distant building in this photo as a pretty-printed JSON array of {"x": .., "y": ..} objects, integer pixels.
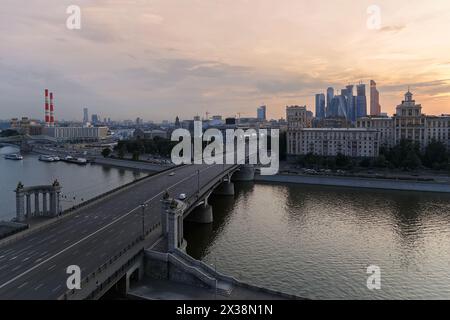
[
  {"x": 26, "y": 126},
  {"x": 230, "y": 121},
  {"x": 76, "y": 134},
  {"x": 375, "y": 108},
  {"x": 218, "y": 118},
  {"x": 85, "y": 115},
  {"x": 149, "y": 134},
  {"x": 261, "y": 113},
  {"x": 361, "y": 102},
  {"x": 351, "y": 142},
  {"x": 330, "y": 96},
  {"x": 411, "y": 124},
  {"x": 320, "y": 106},
  {"x": 95, "y": 119},
  {"x": 298, "y": 117}
]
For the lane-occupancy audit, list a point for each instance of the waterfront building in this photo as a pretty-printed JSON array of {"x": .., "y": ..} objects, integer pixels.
[
  {"x": 375, "y": 108},
  {"x": 76, "y": 134},
  {"x": 320, "y": 106},
  {"x": 351, "y": 142},
  {"x": 409, "y": 123},
  {"x": 26, "y": 125}
]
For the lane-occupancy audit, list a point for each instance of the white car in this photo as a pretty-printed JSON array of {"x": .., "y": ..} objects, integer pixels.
[{"x": 182, "y": 196}]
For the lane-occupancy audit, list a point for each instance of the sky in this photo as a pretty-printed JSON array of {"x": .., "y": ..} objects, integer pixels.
[{"x": 158, "y": 59}]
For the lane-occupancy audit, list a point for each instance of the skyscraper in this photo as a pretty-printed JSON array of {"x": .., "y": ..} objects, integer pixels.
[
  {"x": 330, "y": 96},
  {"x": 85, "y": 115},
  {"x": 375, "y": 108},
  {"x": 320, "y": 106},
  {"x": 361, "y": 101},
  {"x": 348, "y": 93},
  {"x": 261, "y": 113}
]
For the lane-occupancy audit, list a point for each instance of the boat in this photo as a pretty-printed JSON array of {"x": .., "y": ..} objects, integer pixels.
[
  {"x": 46, "y": 158},
  {"x": 71, "y": 159},
  {"x": 14, "y": 156},
  {"x": 55, "y": 158}
]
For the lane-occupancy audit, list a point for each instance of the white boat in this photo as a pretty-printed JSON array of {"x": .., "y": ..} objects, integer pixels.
[
  {"x": 14, "y": 156},
  {"x": 46, "y": 158},
  {"x": 55, "y": 158}
]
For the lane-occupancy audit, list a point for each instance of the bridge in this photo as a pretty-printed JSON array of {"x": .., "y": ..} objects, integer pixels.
[
  {"x": 107, "y": 237},
  {"x": 25, "y": 141}
]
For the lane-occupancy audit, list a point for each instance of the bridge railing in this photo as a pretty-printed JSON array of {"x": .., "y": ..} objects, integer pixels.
[{"x": 93, "y": 276}]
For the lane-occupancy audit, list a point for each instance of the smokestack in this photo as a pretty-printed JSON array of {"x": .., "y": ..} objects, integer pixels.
[
  {"x": 47, "y": 109},
  {"x": 52, "y": 114}
]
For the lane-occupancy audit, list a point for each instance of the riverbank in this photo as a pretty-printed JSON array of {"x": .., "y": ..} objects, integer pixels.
[{"x": 369, "y": 183}]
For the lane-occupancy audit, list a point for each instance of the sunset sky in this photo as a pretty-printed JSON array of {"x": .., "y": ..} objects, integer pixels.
[{"x": 157, "y": 59}]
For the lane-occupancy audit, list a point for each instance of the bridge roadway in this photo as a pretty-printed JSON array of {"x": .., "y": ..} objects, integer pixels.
[{"x": 34, "y": 267}]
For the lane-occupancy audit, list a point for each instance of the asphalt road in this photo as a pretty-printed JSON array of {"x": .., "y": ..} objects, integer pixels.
[{"x": 35, "y": 266}]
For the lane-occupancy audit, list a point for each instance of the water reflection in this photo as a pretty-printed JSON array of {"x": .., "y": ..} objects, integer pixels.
[{"x": 318, "y": 241}]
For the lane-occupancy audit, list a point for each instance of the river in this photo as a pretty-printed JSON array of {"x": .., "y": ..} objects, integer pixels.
[
  {"x": 317, "y": 242},
  {"x": 79, "y": 183}
]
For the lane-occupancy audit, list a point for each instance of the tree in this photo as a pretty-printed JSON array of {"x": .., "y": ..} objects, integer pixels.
[
  {"x": 121, "y": 151},
  {"x": 436, "y": 155},
  {"x": 106, "y": 152}
]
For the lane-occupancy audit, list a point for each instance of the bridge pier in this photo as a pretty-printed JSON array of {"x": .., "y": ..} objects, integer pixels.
[
  {"x": 174, "y": 210},
  {"x": 245, "y": 173},
  {"x": 225, "y": 189},
  {"x": 202, "y": 214}
]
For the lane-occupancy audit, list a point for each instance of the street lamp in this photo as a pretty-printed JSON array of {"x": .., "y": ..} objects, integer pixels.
[{"x": 143, "y": 206}]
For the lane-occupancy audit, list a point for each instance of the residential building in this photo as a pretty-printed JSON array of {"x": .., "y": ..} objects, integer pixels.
[{"x": 351, "y": 142}]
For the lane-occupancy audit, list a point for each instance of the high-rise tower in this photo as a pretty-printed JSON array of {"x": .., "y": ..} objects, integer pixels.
[{"x": 375, "y": 108}]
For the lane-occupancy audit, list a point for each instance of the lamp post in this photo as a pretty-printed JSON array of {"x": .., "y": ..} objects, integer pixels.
[{"x": 143, "y": 206}]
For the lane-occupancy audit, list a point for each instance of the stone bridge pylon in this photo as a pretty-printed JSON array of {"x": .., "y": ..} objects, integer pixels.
[{"x": 46, "y": 200}]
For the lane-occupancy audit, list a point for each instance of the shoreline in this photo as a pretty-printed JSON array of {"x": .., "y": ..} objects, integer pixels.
[{"x": 367, "y": 183}]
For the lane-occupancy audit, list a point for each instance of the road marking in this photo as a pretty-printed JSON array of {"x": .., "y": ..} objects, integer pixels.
[
  {"x": 22, "y": 285},
  {"x": 53, "y": 266},
  {"x": 39, "y": 286},
  {"x": 96, "y": 232},
  {"x": 13, "y": 258},
  {"x": 56, "y": 288}
]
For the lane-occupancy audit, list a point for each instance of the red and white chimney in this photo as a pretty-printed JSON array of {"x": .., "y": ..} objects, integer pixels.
[
  {"x": 52, "y": 111},
  {"x": 47, "y": 109}
]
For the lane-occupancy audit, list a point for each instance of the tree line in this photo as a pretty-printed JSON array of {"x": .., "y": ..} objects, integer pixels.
[{"x": 406, "y": 155}]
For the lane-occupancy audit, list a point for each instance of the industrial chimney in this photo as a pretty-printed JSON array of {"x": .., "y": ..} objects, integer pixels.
[
  {"x": 47, "y": 109},
  {"x": 52, "y": 111}
]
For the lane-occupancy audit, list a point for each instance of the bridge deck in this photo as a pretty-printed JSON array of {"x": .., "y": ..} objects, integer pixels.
[{"x": 35, "y": 266}]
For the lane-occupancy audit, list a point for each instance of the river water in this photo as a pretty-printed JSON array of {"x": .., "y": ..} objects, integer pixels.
[
  {"x": 79, "y": 183},
  {"x": 317, "y": 242}
]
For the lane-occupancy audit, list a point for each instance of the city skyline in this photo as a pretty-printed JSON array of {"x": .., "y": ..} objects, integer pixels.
[{"x": 160, "y": 60}]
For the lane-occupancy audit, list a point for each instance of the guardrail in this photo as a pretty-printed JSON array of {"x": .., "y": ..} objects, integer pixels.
[{"x": 93, "y": 276}]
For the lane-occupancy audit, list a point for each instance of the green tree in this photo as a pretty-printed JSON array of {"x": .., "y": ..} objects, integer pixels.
[
  {"x": 106, "y": 152},
  {"x": 435, "y": 155}
]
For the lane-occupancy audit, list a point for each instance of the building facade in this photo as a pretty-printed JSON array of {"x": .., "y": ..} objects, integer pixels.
[
  {"x": 409, "y": 123},
  {"x": 320, "y": 106},
  {"x": 351, "y": 142},
  {"x": 375, "y": 108},
  {"x": 77, "y": 134}
]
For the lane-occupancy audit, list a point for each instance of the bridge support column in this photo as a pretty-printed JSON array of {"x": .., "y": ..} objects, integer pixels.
[
  {"x": 37, "y": 210},
  {"x": 175, "y": 235},
  {"x": 225, "y": 189},
  {"x": 245, "y": 173},
  {"x": 202, "y": 214},
  {"x": 44, "y": 204},
  {"x": 20, "y": 205},
  {"x": 28, "y": 206}
]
